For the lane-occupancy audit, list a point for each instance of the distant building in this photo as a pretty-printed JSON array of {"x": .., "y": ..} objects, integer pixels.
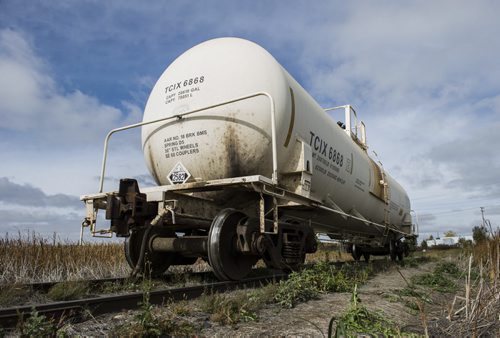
[{"x": 448, "y": 241}]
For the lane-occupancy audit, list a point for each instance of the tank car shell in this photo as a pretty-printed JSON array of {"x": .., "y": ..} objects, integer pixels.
[
  {"x": 229, "y": 141},
  {"x": 235, "y": 140},
  {"x": 253, "y": 187}
]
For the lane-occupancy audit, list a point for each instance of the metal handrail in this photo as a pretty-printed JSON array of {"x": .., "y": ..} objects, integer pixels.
[
  {"x": 347, "y": 112},
  {"x": 340, "y": 107},
  {"x": 416, "y": 224},
  {"x": 360, "y": 219},
  {"x": 348, "y": 124},
  {"x": 180, "y": 116}
]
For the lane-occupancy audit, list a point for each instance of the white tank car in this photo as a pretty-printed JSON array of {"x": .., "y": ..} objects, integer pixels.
[
  {"x": 248, "y": 167},
  {"x": 235, "y": 140}
]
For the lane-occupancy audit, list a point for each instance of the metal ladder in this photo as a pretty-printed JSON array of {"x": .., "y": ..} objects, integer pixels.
[{"x": 387, "y": 198}]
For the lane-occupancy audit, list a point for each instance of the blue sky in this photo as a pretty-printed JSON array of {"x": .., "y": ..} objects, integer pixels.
[{"x": 424, "y": 76}]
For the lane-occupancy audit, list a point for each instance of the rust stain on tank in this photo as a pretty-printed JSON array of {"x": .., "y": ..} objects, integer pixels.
[
  {"x": 154, "y": 165},
  {"x": 239, "y": 149},
  {"x": 231, "y": 144}
]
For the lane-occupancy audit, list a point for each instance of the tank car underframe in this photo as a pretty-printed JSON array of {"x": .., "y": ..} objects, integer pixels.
[{"x": 176, "y": 224}]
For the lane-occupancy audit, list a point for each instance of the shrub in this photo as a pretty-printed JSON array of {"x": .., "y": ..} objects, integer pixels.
[
  {"x": 68, "y": 291},
  {"x": 436, "y": 281},
  {"x": 230, "y": 308},
  {"x": 359, "y": 321},
  {"x": 322, "y": 277},
  {"x": 37, "y": 325},
  {"x": 150, "y": 321},
  {"x": 449, "y": 268}
]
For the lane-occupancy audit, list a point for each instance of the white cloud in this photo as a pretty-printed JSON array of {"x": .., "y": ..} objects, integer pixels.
[
  {"x": 25, "y": 207},
  {"x": 30, "y": 101},
  {"x": 52, "y": 136},
  {"x": 409, "y": 52},
  {"x": 28, "y": 195},
  {"x": 423, "y": 75}
]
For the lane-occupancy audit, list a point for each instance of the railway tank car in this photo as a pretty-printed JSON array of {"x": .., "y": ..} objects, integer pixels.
[{"x": 248, "y": 167}]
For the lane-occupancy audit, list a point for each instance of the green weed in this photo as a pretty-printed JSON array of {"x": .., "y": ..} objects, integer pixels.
[
  {"x": 448, "y": 268},
  {"x": 263, "y": 295},
  {"x": 320, "y": 278},
  {"x": 230, "y": 309},
  {"x": 151, "y": 322},
  {"x": 409, "y": 296},
  {"x": 145, "y": 319},
  {"x": 180, "y": 308},
  {"x": 409, "y": 262},
  {"x": 37, "y": 325},
  {"x": 68, "y": 291},
  {"x": 358, "y": 320},
  {"x": 299, "y": 287},
  {"x": 411, "y": 291},
  {"x": 437, "y": 282},
  {"x": 13, "y": 294},
  {"x": 439, "y": 279}
]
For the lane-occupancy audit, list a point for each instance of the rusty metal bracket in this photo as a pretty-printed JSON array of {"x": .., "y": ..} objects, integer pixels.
[
  {"x": 280, "y": 194},
  {"x": 90, "y": 221},
  {"x": 263, "y": 214},
  {"x": 165, "y": 207}
]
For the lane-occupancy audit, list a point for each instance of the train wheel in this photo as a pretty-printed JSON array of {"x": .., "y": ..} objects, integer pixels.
[
  {"x": 400, "y": 255},
  {"x": 406, "y": 249},
  {"x": 393, "y": 249},
  {"x": 356, "y": 252},
  {"x": 225, "y": 260},
  {"x": 366, "y": 256},
  {"x": 156, "y": 263}
]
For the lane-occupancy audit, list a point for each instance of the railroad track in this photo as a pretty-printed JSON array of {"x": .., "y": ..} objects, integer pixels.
[
  {"x": 44, "y": 287},
  {"x": 173, "y": 277},
  {"x": 9, "y": 317}
]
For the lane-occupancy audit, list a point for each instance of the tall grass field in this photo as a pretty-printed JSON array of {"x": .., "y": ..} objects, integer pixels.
[{"x": 30, "y": 258}]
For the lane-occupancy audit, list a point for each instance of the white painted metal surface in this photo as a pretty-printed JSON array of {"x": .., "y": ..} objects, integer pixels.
[
  {"x": 179, "y": 117},
  {"x": 237, "y": 139}
]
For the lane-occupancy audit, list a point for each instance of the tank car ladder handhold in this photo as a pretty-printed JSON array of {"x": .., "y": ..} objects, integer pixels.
[
  {"x": 387, "y": 212},
  {"x": 263, "y": 214},
  {"x": 352, "y": 123},
  {"x": 274, "y": 175}
]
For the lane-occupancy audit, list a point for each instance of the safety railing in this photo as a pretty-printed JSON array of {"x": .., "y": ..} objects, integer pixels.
[
  {"x": 415, "y": 229},
  {"x": 353, "y": 126},
  {"x": 274, "y": 177}
]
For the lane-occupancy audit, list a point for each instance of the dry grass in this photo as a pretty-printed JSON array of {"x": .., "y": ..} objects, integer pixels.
[
  {"x": 329, "y": 252},
  {"x": 475, "y": 311},
  {"x": 31, "y": 258}
]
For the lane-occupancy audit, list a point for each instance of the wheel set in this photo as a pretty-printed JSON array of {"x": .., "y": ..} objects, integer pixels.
[
  {"x": 223, "y": 256},
  {"x": 396, "y": 250},
  {"x": 358, "y": 252},
  {"x": 232, "y": 246}
]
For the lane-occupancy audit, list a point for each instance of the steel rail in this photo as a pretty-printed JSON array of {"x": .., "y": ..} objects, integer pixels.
[
  {"x": 9, "y": 317},
  {"x": 44, "y": 287}
]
